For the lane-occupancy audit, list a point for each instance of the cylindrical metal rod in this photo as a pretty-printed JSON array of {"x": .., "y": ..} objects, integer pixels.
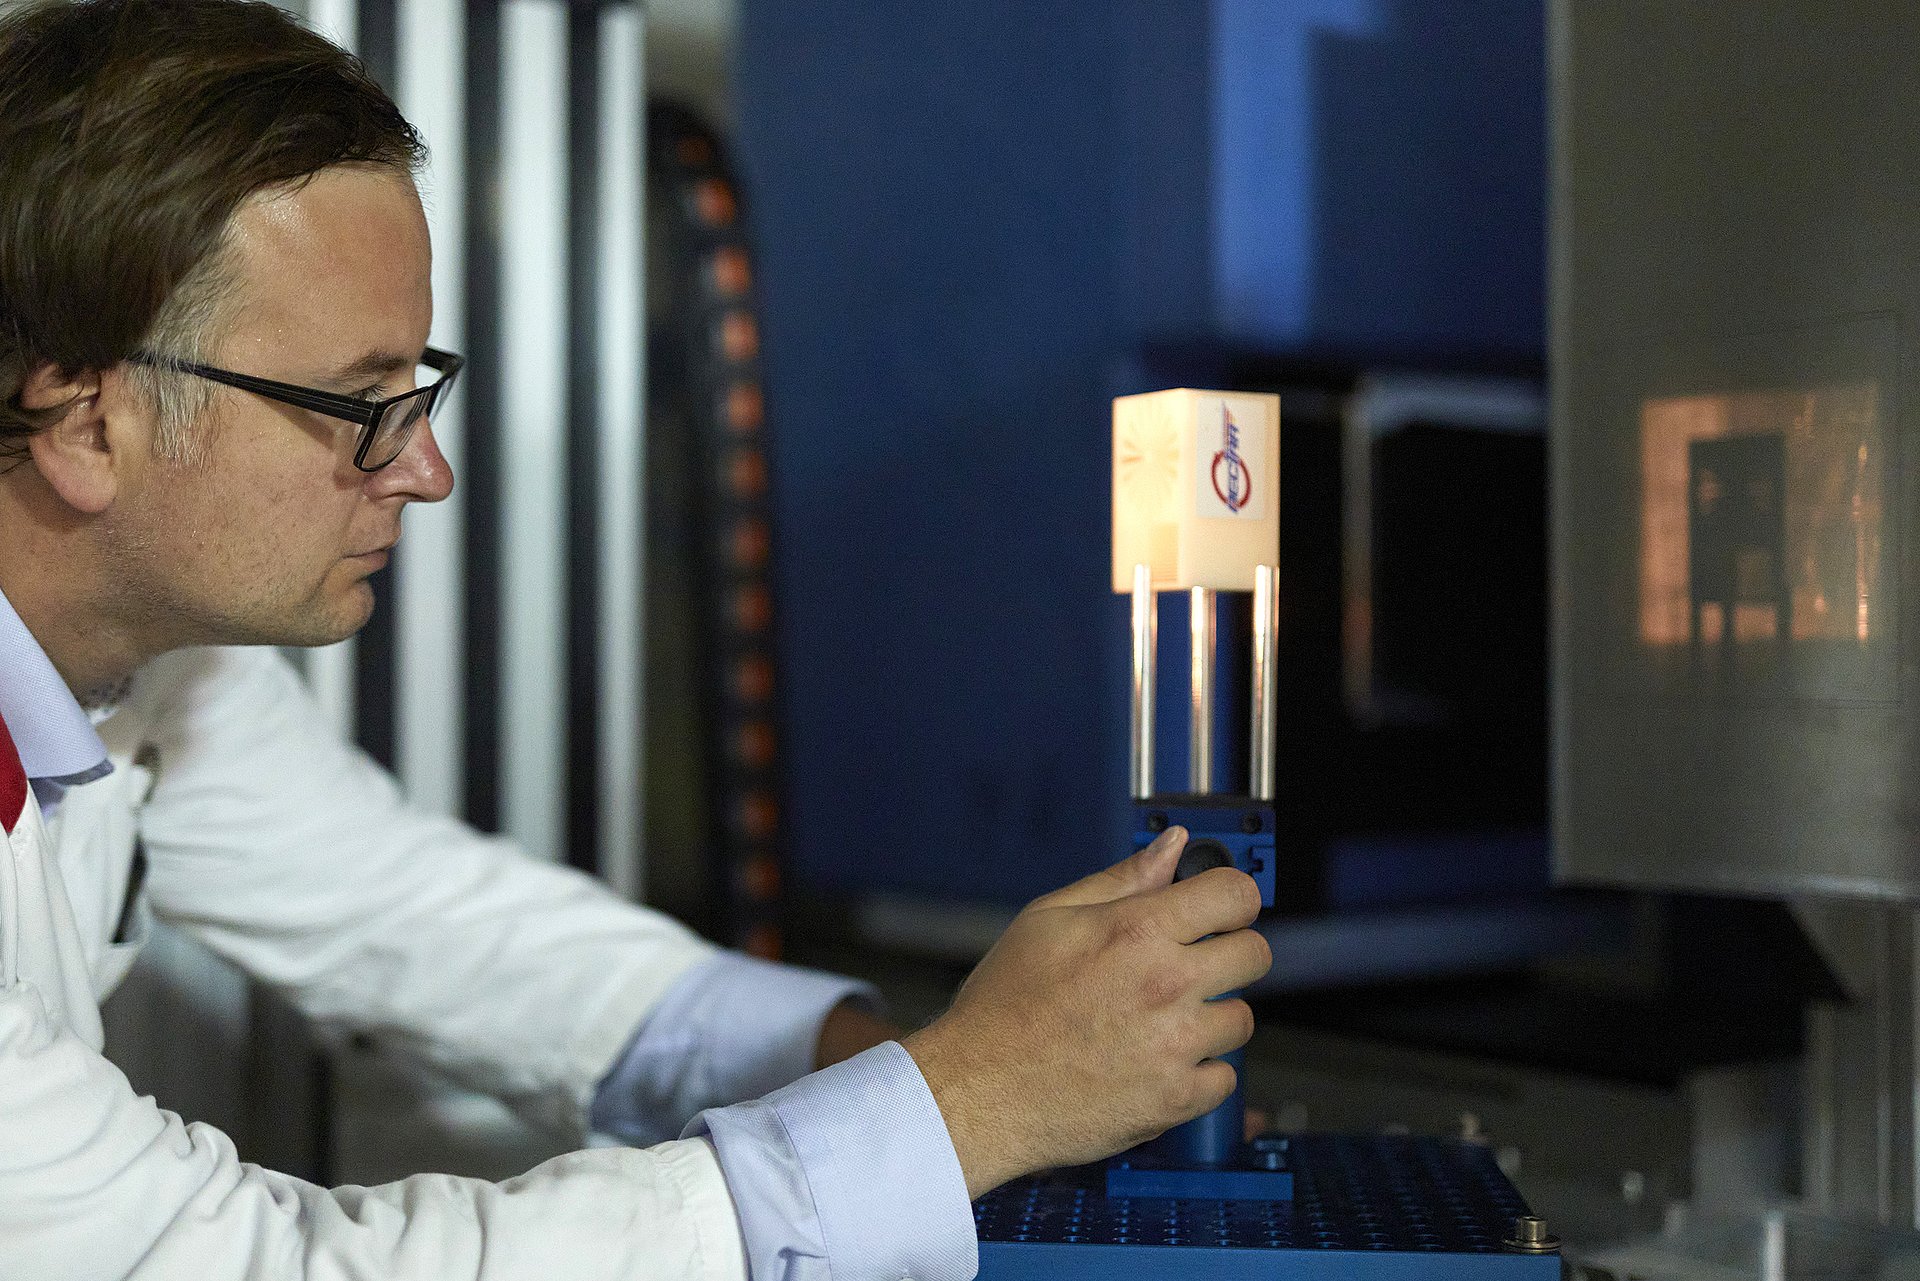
[
  {"x": 1266, "y": 667},
  {"x": 1200, "y": 746},
  {"x": 1146, "y": 645}
]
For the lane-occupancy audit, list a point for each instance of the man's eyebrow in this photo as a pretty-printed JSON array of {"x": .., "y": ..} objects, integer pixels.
[{"x": 371, "y": 367}]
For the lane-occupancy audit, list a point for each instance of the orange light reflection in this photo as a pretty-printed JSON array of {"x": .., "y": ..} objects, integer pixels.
[{"x": 1829, "y": 522}]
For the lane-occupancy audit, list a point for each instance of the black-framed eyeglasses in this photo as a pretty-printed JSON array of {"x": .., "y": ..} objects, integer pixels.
[{"x": 385, "y": 425}]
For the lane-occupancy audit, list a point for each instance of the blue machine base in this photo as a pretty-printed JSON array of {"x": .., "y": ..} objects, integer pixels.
[{"x": 1363, "y": 1208}]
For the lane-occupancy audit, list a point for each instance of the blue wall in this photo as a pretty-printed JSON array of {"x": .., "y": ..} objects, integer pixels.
[
  {"x": 970, "y": 218},
  {"x": 1380, "y": 174}
]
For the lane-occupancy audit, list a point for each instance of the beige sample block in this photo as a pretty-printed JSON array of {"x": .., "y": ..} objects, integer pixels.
[{"x": 1196, "y": 488}]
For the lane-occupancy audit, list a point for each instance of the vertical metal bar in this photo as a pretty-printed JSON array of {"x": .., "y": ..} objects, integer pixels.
[
  {"x": 482, "y": 677},
  {"x": 1266, "y": 666},
  {"x": 1356, "y": 551},
  {"x": 622, "y": 425},
  {"x": 377, "y": 30},
  {"x": 1903, "y": 1057},
  {"x": 377, "y": 38},
  {"x": 1200, "y": 744},
  {"x": 1886, "y": 1033},
  {"x": 1146, "y": 645},
  {"x": 337, "y": 20},
  {"x": 1819, "y": 1178},
  {"x": 532, "y": 501},
  {"x": 426, "y": 594},
  {"x": 584, "y": 466}
]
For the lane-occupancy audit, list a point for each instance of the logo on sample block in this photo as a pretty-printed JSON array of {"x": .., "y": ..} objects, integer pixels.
[{"x": 1232, "y": 481}]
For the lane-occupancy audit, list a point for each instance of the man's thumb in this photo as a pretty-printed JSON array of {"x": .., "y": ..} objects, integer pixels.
[{"x": 1151, "y": 868}]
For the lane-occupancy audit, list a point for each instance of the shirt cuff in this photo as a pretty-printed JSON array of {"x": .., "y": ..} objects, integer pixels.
[
  {"x": 847, "y": 1175},
  {"x": 731, "y": 1028}
]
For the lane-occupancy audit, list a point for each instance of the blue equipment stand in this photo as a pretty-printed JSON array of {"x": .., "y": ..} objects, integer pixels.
[{"x": 1197, "y": 1204}]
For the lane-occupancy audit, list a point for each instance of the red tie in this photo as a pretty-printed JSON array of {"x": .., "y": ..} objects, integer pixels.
[{"x": 13, "y": 781}]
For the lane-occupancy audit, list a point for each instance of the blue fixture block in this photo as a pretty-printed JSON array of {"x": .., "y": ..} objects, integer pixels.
[
  {"x": 1130, "y": 1179},
  {"x": 1222, "y": 830},
  {"x": 1362, "y": 1208}
]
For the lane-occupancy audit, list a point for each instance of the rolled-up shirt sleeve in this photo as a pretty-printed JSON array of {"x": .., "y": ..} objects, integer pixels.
[
  {"x": 731, "y": 1028},
  {"x": 847, "y": 1175}
]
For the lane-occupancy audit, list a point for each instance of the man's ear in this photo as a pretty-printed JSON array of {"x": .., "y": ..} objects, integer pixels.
[{"x": 75, "y": 455}]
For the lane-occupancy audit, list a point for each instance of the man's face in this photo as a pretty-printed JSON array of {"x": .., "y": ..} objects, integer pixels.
[{"x": 269, "y": 535}]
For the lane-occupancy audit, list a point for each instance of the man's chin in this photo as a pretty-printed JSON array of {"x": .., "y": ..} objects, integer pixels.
[
  {"x": 348, "y": 610},
  {"x": 356, "y": 611}
]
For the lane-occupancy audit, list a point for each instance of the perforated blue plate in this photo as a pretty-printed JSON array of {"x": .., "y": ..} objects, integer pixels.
[{"x": 1363, "y": 1207}]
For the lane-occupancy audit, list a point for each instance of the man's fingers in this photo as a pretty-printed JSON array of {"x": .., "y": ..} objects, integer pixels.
[
  {"x": 1217, "y": 901},
  {"x": 1225, "y": 1027},
  {"x": 1151, "y": 868},
  {"x": 1229, "y": 962},
  {"x": 1213, "y": 1083}
]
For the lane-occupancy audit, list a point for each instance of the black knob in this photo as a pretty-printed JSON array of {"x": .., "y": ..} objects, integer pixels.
[{"x": 1201, "y": 856}]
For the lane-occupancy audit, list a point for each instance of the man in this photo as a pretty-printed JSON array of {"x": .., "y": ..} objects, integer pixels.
[{"x": 215, "y": 403}]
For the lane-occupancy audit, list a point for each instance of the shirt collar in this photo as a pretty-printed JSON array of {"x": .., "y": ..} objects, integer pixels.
[{"x": 54, "y": 736}]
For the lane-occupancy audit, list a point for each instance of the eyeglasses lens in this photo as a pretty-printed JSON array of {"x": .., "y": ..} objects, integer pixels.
[{"x": 396, "y": 425}]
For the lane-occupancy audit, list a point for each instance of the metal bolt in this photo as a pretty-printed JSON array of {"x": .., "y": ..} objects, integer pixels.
[{"x": 1530, "y": 1236}]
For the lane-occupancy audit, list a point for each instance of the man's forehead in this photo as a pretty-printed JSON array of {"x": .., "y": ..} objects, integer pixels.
[{"x": 339, "y": 264}]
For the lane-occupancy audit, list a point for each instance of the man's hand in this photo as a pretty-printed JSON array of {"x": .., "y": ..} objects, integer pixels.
[
  {"x": 848, "y": 1030},
  {"x": 1088, "y": 1028}
]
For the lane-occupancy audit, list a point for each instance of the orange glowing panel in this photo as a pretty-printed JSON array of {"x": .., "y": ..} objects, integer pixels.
[
  {"x": 738, "y": 337},
  {"x": 753, "y": 744},
  {"x": 755, "y": 815},
  {"x": 752, "y": 609},
  {"x": 1760, "y": 516},
  {"x": 760, "y": 878},
  {"x": 745, "y": 408},
  {"x": 730, "y": 272},
  {"x": 752, "y": 544},
  {"x": 763, "y": 941},
  {"x": 753, "y": 680},
  {"x": 747, "y": 473},
  {"x": 713, "y": 201}
]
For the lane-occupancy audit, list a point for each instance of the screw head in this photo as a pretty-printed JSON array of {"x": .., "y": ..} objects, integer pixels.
[
  {"x": 1251, "y": 822},
  {"x": 1156, "y": 822},
  {"x": 1530, "y": 1236}
]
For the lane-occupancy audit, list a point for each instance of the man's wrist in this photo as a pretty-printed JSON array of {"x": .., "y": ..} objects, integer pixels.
[
  {"x": 976, "y": 1128},
  {"x": 850, "y": 1028}
]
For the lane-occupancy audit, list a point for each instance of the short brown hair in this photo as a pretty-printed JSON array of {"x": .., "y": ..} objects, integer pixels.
[{"x": 130, "y": 133}]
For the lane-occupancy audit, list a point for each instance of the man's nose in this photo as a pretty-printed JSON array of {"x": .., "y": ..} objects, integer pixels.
[{"x": 420, "y": 474}]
